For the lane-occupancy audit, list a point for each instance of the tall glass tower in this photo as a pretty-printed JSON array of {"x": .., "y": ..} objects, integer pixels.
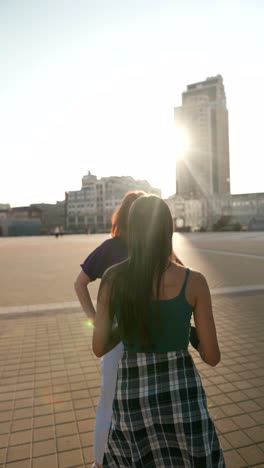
[{"x": 203, "y": 167}]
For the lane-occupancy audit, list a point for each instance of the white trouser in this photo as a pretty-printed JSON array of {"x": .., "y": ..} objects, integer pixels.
[{"x": 109, "y": 366}]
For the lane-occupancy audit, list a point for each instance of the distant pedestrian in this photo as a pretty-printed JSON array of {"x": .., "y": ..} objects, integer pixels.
[
  {"x": 61, "y": 231},
  {"x": 57, "y": 232},
  {"x": 160, "y": 415}
]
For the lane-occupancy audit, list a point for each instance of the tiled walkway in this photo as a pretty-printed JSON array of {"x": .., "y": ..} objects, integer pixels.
[
  {"x": 50, "y": 384},
  {"x": 49, "y": 377},
  {"x": 49, "y": 388}
]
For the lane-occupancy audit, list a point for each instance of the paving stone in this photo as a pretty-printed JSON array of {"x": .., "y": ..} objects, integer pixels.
[
  {"x": 253, "y": 393},
  {"x": 225, "y": 425},
  {"x": 48, "y": 461},
  {"x": 227, "y": 387},
  {"x": 42, "y": 421},
  {"x": 87, "y": 439},
  {"x": 43, "y": 433},
  {"x": 5, "y": 427},
  {"x": 95, "y": 392},
  {"x": 86, "y": 425},
  {"x": 21, "y": 437},
  {"x": 232, "y": 409},
  {"x": 4, "y": 440},
  {"x": 24, "y": 393},
  {"x": 217, "y": 413},
  {"x": 68, "y": 442},
  {"x": 61, "y": 397},
  {"x": 62, "y": 407},
  {"x": 256, "y": 433},
  {"x": 21, "y": 424},
  {"x": 66, "y": 429},
  {"x": 253, "y": 455},
  {"x": 84, "y": 403},
  {"x": 23, "y": 403},
  {"x": 88, "y": 455},
  {"x": 238, "y": 439},
  {"x": 234, "y": 460},
  {"x": 260, "y": 402},
  {"x": 19, "y": 464},
  {"x": 2, "y": 455},
  {"x": 225, "y": 444},
  {"x": 84, "y": 413},
  {"x": 18, "y": 452},
  {"x": 44, "y": 447},
  {"x": 257, "y": 382},
  {"x": 261, "y": 446},
  {"x": 217, "y": 400},
  {"x": 243, "y": 384},
  {"x": 6, "y": 405},
  {"x": 70, "y": 458},
  {"x": 237, "y": 396},
  {"x": 23, "y": 413},
  {"x": 43, "y": 410},
  {"x": 244, "y": 421},
  {"x": 5, "y": 416},
  {"x": 249, "y": 406},
  {"x": 80, "y": 394},
  {"x": 78, "y": 386},
  {"x": 64, "y": 417}
]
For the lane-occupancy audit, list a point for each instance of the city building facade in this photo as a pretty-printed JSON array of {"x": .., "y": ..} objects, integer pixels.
[
  {"x": 20, "y": 221},
  {"x": 90, "y": 209},
  {"x": 202, "y": 169},
  {"x": 52, "y": 215},
  {"x": 243, "y": 211}
]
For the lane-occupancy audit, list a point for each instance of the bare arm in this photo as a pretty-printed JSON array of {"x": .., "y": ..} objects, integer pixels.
[
  {"x": 81, "y": 288},
  {"x": 204, "y": 322},
  {"x": 105, "y": 337}
]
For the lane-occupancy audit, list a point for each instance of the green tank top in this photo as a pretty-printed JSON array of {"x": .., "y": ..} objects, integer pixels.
[{"x": 173, "y": 330}]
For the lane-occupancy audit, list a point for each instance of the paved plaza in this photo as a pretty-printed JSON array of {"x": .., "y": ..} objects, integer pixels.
[{"x": 50, "y": 378}]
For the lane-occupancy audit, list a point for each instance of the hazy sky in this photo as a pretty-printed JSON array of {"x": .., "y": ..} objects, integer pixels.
[{"x": 91, "y": 85}]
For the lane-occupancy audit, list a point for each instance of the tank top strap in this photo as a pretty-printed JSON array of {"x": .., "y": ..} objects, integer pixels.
[{"x": 182, "y": 293}]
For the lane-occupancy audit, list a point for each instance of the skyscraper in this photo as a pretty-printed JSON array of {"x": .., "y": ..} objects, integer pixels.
[{"x": 203, "y": 167}]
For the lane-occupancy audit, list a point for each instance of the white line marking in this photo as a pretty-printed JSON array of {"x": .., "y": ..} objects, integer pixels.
[
  {"x": 237, "y": 289},
  {"x": 233, "y": 254},
  {"x": 75, "y": 304},
  {"x": 40, "y": 307}
]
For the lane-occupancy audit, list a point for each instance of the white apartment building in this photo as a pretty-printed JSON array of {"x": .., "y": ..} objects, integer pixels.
[{"x": 90, "y": 209}]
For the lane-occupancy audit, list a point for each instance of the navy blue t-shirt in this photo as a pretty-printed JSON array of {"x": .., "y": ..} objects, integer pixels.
[{"x": 109, "y": 253}]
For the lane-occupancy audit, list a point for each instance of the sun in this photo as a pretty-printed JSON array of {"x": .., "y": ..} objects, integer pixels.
[{"x": 182, "y": 142}]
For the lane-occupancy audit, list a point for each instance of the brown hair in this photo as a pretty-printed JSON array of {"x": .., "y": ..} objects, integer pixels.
[
  {"x": 150, "y": 231},
  {"x": 120, "y": 216}
]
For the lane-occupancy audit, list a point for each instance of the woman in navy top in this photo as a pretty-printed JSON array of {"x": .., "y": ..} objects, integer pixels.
[
  {"x": 160, "y": 415},
  {"x": 110, "y": 252}
]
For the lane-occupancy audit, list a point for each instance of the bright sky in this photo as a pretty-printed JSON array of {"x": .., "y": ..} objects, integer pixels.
[{"x": 91, "y": 85}]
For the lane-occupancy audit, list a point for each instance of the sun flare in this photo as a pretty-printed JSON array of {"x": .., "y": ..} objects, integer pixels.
[{"x": 182, "y": 142}]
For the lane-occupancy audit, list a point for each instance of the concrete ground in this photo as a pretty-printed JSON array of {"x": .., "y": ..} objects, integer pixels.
[{"x": 50, "y": 379}]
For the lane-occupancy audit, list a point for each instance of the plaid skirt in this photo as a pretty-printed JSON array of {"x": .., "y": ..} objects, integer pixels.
[{"x": 160, "y": 415}]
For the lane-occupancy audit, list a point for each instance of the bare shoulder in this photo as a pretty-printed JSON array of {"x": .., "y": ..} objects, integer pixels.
[
  {"x": 197, "y": 278},
  {"x": 196, "y": 286}
]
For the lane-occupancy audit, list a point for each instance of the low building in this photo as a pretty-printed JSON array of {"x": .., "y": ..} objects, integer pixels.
[
  {"x": 4, "y": 208},
  {"x": 20, "y": 221},
  {"x": 51, "y": 215},
  {"x": 90, "y": 209},
  {"x": 246, "y": 210},
  {"x": 247, "y": 207}
]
